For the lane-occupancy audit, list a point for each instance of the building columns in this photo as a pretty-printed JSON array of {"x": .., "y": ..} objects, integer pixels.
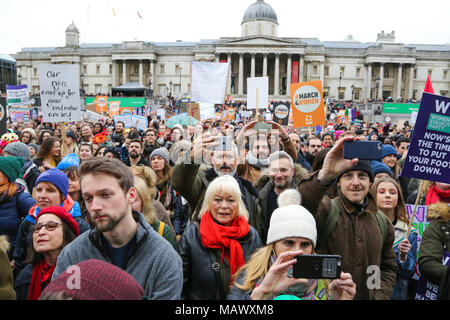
[
  {"x": 411, "y": 77},
  {"x": 399, "y": 82},
  {"x": 229, "y": 74},
  {"x": 124, "y": 71},
  {"x": 301, "y": 69},
  {"x": 277, "y": 75},
  {"x": 265, "y": 65},
  {"x": 369, "y": 80},
  {"x": 322, "y": 72},
  {"x": 141, "y": 73},
  {"x": 380, "y": 88},
  {"x": 152, "y": 74},
  {"x": 252, "y": 73},
  {"x": 289, "y": 75},
  {"x": 241, "y": 74}
]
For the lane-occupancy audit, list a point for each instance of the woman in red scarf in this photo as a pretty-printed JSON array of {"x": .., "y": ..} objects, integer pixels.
[
  {"x": 215, "y": 249},
  {"x": 54, "y": 229}
]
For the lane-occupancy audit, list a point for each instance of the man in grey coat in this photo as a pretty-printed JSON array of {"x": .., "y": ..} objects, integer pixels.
[{"x": 122, "y": 236}]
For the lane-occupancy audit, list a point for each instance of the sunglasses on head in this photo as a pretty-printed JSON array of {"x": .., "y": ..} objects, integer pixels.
[{"x": 50, "y": 226}]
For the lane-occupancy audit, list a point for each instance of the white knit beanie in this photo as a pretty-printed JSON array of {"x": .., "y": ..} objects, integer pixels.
[{"x": 290, "y": 219}]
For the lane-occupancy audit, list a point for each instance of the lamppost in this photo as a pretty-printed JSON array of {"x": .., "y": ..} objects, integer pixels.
[
  {"x": 377, "y": 81},
  {"x": 19, "y": 79},
  {"x": 353, "y": 90}
]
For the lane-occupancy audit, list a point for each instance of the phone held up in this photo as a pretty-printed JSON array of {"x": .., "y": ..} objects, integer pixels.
[
  {"x": 316, "y": 266},
  {"x": 363, "y": 150},
  {"x": 262, "y": 126}
]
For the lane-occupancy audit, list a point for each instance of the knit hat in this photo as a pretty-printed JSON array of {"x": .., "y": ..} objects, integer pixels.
[
  {"x": 363, "y": 165},
  {"x": 162, "y": 152},
  {"x": 378, "y": 167},
  {"x": 387, "y": 150},
  {"x": 99, "y": 280},
  {"x": 57, "y": 178},
  {"x": 11, "y": 167},
  {"x": 18, "y": 149},
  {"x": 35, "y": 146},
  {"x": 62, "y": 213},
  {"x": 31, "y": 132},
  {"x": 71, "y": 160},
  {"x": 290, "y": 219},
  {"x": 114, "y": 150}
]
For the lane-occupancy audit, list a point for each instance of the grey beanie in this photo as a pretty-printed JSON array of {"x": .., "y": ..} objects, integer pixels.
[
  {"x": 18, "y": 149},
  {"x": 162, "y": 152}
]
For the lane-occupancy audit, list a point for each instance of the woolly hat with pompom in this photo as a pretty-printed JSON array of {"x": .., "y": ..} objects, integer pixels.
[{"x": 290, "y": 219}]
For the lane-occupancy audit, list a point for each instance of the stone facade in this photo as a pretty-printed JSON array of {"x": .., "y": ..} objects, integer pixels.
[{"x": 349, "y": 69}]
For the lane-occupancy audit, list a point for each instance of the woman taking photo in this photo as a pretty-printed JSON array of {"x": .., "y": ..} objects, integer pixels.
[
  {"x": 389, "y": 198},
  {"x": 49, "y": 154},
  {"x": 268, "y": 274},
  {"x": 54, "y": 229},
  {"x": 215, "y": 249}
]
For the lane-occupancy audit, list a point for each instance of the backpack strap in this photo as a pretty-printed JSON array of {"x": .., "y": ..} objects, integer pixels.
[{"x": 161, "y": 228}]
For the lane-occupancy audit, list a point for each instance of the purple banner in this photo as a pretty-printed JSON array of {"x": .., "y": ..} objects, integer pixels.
[
  {"x": 425, "y": 289},
  {"x": 429, "y": 152},
  {"x": 16, "y": 87}
]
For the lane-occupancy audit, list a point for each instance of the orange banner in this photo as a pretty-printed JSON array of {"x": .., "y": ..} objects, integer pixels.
[
  {"x": 114, "y": 108},
  {"x": 101, "y": 103},
  {"x": 231, "y": 113},
  {"x": 307, "y": 104}
]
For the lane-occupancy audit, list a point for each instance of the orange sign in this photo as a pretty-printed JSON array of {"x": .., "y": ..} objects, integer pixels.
[
  {"x": 307, "y": 104},
  {"x": 341, "y": 119},
  {"x": 114, "y": 108},
  {"x": 231, "y": 112},
  {"x": 101, "y": 103}
]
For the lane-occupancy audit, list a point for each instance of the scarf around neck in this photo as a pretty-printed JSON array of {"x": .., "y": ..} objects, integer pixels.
[
  {"x": 41, "y": 277},
  {"x": 225, "y": 238},
  {"x": 435, "y": 194}
]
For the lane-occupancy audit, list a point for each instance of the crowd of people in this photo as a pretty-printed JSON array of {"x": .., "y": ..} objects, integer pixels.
[{"x": 213, "y": 211}]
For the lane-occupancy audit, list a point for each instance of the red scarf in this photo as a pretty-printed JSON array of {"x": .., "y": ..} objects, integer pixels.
[
  {"x": 42, "y": 275},
  {"x": 437, "y": 195},
  {"x": 216, "y": 236}
]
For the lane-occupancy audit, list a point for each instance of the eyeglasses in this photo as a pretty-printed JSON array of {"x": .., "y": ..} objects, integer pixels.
[{"x": 50, "y": 226}]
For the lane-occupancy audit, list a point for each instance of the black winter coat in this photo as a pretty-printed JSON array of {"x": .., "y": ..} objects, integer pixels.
[{"x": 199, "y": 280}]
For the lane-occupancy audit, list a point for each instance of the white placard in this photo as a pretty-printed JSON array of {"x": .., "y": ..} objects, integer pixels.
[
  {"x": 246, "y": 114},
  {"x": 209, "y": 81},
  {"x": 161, "y": 113},
  {"x": 89, "y": 115},
  {"x": 127, "y": 119},
  {"x": 139, "y": 122},
  {"x": 257, "y": 92},
  {"x": 60, "y": 92},
  {"x": 207, "y": 111},
  {"x": 413, "y": 117},
  {"x": 17, "y": 95}
]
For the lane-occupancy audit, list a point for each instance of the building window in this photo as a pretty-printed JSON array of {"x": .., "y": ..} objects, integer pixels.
[
  {"x": 386, "y": 73},
  {"x": 98, "y": 88},
  {"x": 34, "y": 72},
  {"x": 84, "y": 69},
  {"x": 177, "y": 68},
  {"x": 325, "y": 91},
  {"x": 445, "y": 75},
  {"x": 341, "y": 93},
  {"x": 326, "y": 72},
  {"x": 414, "y": 95},
  {"x": 356, "y": 94},
  {"x": 429, "y": 73},
  {"x": 110, "y": 69},
  {"x": 444, "y": 93},
  {"x": 358, "y": 72},
  {"x": 314, "y": 69},
  {"x": 97, "y": 69},
  {"x": 341, "y": 71},
  {"x": 161, "y": 69},
  {"x": 415, "y": 73}
]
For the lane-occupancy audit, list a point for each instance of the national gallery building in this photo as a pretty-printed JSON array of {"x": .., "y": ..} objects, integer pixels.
[{"x": 349, "y": 69}]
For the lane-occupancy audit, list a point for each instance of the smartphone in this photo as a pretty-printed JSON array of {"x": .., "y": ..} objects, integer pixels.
[
  {"x": 363, "y": 150},
  {"x": 262, "y": 126},
  {"x": 316, "y": 266}
]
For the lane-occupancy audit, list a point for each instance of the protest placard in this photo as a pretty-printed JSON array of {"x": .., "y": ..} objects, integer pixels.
[
  {"x": 307, "y": 104},
  {"x": 246, "y": 114},
  {"x": 139, "y": 122},
  {"x": 19, "y": 114},
  {"x": 429, "y": 152},
  {"x": 281, "y": 113},
  {"x": 194, "y": 111},
  {"x": 3, "y": 116},
  {"x": 413, "y": 118},
  {"x": 257, "y": 92},
  {"x": 60, "y": 92},
  {"x": 231, "y": 112},
  {"x": 101, "y": 104},
  {"x": 209, "y": 81},
  {"x": 17, "y": 95},
  {"x": 161, "y": 113},
  {"x": 89, "y": 115},
  {"x": 127, "y": 119},
  {"x": 207, "y": 111}
]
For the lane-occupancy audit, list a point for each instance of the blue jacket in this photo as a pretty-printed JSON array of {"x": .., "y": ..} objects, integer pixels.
[
  {"x": 13, "y": 210},
  {"x": 405, "y": 269}
]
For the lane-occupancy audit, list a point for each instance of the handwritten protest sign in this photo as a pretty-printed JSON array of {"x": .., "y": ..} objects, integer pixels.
[
  {"x": 281, "y": 113},
  {"x": 429, "y": 152},
  {"x": 161, "y": 113},
  {"x": 209, "y": 81},
  {"x": 60, "y": 92},
  {"x": 139, "y": 122},
  {"x": 257, "y": 92},
  {"x": 207, "y": 111},
  {"x": 127, "y": 119},
  {"x": 19, "y": 114},
  {"x": 307, "y": 104},
  {"x": 17, "y": 95}
]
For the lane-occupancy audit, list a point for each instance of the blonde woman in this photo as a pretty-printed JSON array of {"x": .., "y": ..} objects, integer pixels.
[
  {"x": 144, "y": 205},
  {"x": 214, "y": 249},
  {"x": 268, "y": 274}
]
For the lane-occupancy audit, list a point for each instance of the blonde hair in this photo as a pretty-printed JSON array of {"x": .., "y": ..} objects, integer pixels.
[
  {"x": 144, "y": 193},
  {"x": 226, "y": 184},
  {"x": 400, "y": 210},
  {"x": 148, "y": 176}
]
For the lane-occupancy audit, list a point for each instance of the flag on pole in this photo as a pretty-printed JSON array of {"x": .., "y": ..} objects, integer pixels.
[{"x": 428, "y": 86}]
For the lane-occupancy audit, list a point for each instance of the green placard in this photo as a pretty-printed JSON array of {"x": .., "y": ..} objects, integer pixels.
[
  {"x": 400, "y": 107},
  {"x": 438, "y": 122},
  {"x": 124, "y": 102}
]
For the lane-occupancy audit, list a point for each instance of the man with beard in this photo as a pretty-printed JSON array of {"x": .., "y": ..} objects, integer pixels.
[
  {"x": 122, "y": 236},
  {"x": 191, "y": 180},
  {"x": 295, "y": 138},
  {"x": 283, "y": 174},
  {"x": 314, "y": 146},
  {"x": 117, "y": 136},
  {"x": 135, "y": 158}
]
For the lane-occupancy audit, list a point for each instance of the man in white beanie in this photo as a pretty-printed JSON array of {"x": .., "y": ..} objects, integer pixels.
[{"x": 351, "y": 224}]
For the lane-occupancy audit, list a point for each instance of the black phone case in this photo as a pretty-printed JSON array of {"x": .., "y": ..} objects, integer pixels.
[
  {"x": 311, "y": 267},
  {"x": 363, "y": 150}
]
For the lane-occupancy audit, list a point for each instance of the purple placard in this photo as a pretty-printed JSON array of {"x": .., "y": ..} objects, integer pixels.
[{"x": 429, "y": 152}]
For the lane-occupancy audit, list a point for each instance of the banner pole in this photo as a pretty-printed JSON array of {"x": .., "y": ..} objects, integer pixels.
[{"x": 419, "y": 195}]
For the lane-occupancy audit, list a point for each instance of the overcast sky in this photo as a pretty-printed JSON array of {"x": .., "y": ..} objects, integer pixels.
[{"x": 42, "y": 23}]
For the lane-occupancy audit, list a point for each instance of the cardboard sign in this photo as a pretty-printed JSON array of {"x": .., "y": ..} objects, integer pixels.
[
  {"x": 139, "y": 122},
  {"x": 114, "y": 108},
  {"x": 257, "y": 92},
  {"x": 281, "y": 113},
  {"x": 17, "y": 95},
  {"x": 429, "y": 152},
  {"x": 207, "y": 111},
  {"x": 60, "y": 92},
  {"x": 127, "y": 119},
  {"x": 307, "y": 104},
  {"x": 101, "y": 103},
  {"x": 209, "y": 81},
  {"x": 19, "y": 114},
  {"x": 231, "y": 113},
  {"x": 342, "y": 119}
]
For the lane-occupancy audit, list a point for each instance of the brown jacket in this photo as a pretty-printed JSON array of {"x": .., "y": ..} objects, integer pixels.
[
  {"x": 6, "y": 276},
  {"x": 357, "y": 238}
]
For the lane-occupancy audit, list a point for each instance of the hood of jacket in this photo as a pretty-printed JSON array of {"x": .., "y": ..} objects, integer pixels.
[{"x": 439, "y": 211}]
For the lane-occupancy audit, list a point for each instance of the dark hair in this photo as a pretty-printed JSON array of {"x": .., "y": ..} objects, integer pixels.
[
  {"x": 400, "y": 140},
  {"x": 46, "y": 148},
  {"x": 313, "y": 138},
  {"x": 134, "y": 134},
  {"x": 87, "y": 144},
  {"x": 137, "y": 141},
  {"x": 327, "y": 134},
  {"x": 318, "y": 161},
  {"x": 72, "y": 172},
  {"x": 41, "y": 136},
  {"x": 99, "y": 150},
  {"x": 34, "y": 257},
  {"x": 110, "y": 167}
]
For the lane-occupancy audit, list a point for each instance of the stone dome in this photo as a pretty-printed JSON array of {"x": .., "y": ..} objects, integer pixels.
[
  {"x": 72, "y": 28},
  {"x": 260, "y": 11}
]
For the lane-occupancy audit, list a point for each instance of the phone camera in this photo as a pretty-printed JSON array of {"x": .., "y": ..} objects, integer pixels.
[{"x": 316, "y": 268}]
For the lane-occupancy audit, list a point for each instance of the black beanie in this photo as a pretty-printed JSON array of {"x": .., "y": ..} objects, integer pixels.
[{"x": 363, "y": 165}]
